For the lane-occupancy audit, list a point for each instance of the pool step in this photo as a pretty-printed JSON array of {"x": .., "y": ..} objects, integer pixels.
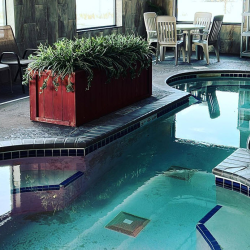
[{"x": 234, "y": 172}]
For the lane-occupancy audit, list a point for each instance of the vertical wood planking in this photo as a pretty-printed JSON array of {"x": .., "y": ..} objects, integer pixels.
[
  {"x": 48, "y": 99},
  {"x": 68, "y": 99},
  {"x": 29, "y": 11},
  {"x": 72, "y": 103},
  {"x": 62, "y": 20},
  {"x": 40, "y": 97},
  {"x": 80, "y": 106},
  {"x": 33, "y": 97},
  {"x": 41, "y": 22},
  {"x": 52, "y": 21},
  {"x": 57, "y": 104},
  {"x": 149, "y": 79}
]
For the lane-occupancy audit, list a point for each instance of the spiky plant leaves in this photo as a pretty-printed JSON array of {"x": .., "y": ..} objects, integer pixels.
[{"x": 118, "y": 55}]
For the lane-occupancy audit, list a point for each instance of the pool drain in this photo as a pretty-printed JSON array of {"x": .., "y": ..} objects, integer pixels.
[{"x": 127, "y": 224}]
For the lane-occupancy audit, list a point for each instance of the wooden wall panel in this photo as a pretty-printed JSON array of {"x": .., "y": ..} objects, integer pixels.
[
  {"x": 52, "y": 19},
  {"x": 29, "y": 11},
  {"x": 62, "y": 20},
  {"x": 41, "y": 22},
  {"x": 19, "y": 20},
  {"x": 30, "y": 31},
  {"x": 52, "y": 22},
  {"x": 55, "y": 19}
]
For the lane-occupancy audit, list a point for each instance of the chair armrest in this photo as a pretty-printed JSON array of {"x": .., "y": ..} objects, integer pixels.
[
  {"x": 10, "y": 53},
  {"x": 200, "y": 34},
  {"x": 28, "y": 50},
  {"x": 204, "y": 33},
  {"x": 181, "y": 34}
]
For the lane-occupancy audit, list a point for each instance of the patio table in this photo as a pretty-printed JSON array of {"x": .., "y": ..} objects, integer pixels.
[{"x": 188, "y": 28}]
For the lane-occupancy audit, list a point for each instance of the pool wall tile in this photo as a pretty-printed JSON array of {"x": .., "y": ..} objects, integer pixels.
[
  {"x": 64, "y": 152},
  {"x": 236, "y": 186},
  {"x": 32, "y": 153},
  {"x": 23, "y": 154},
  {"x": 80, "y": 152},
  {"x": 72, "y": 152},
  {"x": 7, "y": 156},
  {"x": 232, "y": 185},
  {"x": 244, "y": 190},
  {"x": 48, "y": 152},
  {"x": 15, "y": 154},
  {"x": 228, "y": 184},
  {"x": 56, "y": 152},
  {"x": 219, "y": 181},
  {"x": 40, "y": 153}
]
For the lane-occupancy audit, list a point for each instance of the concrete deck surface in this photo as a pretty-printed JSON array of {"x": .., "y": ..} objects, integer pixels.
[{"x": 14, "y": 107}]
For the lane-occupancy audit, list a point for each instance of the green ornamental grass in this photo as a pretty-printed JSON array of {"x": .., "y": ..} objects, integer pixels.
[{"x": 116, "y": 54}]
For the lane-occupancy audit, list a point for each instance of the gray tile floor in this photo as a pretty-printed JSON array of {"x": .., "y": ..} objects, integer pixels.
[{"x": 16, "y": 125}]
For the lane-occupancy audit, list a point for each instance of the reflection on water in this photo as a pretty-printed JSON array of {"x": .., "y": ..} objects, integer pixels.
[
  {"x": 39, "y": 185},
  {"x": 212, "y": 102},
  {"x": 221, "y": 114},
  {"x": 5, "y": 187},
  {"x": 161, "y": 172}
]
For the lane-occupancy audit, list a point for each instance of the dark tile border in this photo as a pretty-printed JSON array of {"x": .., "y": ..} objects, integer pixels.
[
  {"x": 90, "y": 146},
  {"x": 210, "y": 214},
  {"x": 82, "y": 146},
  {"x": 203, "y": 74},
  {"x": 63, "y": 184},
  {"x": 208, "y": 237},
  {"x": 71, "y": 179},
  {"x": 232, "y": 185},
  {"x": 205, "y": 233}
]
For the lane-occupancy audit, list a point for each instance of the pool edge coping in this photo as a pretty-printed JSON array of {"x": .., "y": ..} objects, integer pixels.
[
  {"x": 90, "y": 141},
  {"x": 205, "y": 73},
  {"x": 20, "y": 148}
]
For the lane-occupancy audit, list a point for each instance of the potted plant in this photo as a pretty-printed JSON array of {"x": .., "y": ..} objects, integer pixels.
[{"x": 75, "y": 81}]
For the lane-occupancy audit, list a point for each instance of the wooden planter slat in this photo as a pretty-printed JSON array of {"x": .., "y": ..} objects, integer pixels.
[
  {"x": 75, "y": 108},
  {"x": 58, "y": 105}
]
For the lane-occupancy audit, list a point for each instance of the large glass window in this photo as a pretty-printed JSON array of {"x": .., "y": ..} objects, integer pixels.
[
  {"x": 231, "y": 9},
  {"x": 2, "y": 13},
  {"x": 95, "y": 13}
]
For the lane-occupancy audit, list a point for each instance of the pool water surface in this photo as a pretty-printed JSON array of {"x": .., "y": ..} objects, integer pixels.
[{"x": 162, "y": 172}]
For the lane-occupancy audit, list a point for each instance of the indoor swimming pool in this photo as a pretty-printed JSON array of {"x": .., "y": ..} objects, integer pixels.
[{"x": 159, "y": 175}]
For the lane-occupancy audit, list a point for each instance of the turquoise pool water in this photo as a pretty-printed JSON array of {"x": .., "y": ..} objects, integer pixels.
[{"x": 162, "y": 172}]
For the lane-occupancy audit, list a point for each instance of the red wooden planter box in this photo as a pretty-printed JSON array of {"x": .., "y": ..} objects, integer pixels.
[{"x": 75, "y": 108}]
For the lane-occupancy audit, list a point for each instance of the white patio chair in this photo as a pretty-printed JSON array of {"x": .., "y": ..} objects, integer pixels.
[
  {"x": 202, "y": 18},
  {"x": 149, "y": 20},
  {"x": 211, "y": 38},
  {"x": 167, "y": 37}
]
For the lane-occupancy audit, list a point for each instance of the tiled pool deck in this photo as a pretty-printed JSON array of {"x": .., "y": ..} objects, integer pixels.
[{"x": 20, "y": 137}]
